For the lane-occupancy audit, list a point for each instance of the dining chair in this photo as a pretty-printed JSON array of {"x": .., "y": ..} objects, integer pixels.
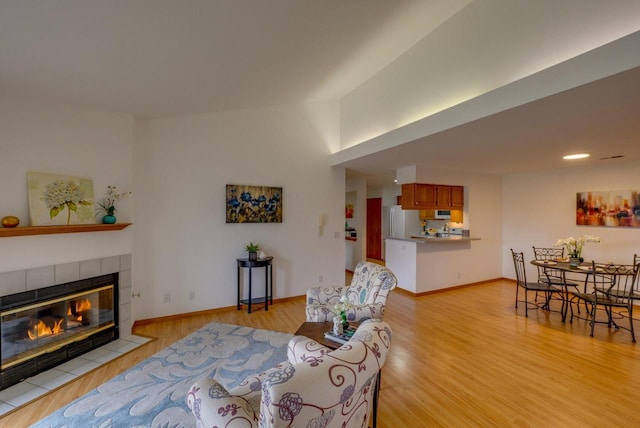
[
  {"x": 537, "y": 286},
  {"x": 552, "y": 276},
  {"x": 636, "y": 287},
  {"x": 548, "y": 275},
  {"x": 614, "y": 286},
  {"x": 635, "y": 294}
]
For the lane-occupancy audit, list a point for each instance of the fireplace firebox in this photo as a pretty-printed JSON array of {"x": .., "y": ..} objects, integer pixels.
[{"x": 43, "y": 328}]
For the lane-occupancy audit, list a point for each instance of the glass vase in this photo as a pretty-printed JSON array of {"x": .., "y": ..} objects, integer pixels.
[
  {"x": 337, "y": 326},
  {"x": 109, "y": 219}
]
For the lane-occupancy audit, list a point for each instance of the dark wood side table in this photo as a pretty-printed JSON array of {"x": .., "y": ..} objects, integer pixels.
[
  {"x": 268, "y": 282},
  {"x": 315, "y": 331}
]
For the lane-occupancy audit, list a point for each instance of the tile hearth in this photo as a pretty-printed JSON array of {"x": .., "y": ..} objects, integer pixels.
[{"x": 36, "y": 386}]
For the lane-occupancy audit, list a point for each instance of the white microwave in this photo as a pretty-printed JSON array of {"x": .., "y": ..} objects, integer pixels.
[{"x": 442, "y": 214}]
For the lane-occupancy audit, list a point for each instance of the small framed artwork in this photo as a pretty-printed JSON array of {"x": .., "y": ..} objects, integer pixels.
[
  {"x": 613, "y": 208},
  {"x": 59, "y": 199},
  {"x": 348, "y": 211},
  {"x": 253, "y": 204}
]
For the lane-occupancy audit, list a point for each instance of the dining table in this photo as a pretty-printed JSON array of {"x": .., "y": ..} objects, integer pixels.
[{"x": 580, "y": 274}]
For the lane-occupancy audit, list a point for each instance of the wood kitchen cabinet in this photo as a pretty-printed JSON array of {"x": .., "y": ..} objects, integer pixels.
[
  {"x": 443, "y": 196},
  {"x": 457, "y": 196},
  {"x": 431, "y": 196},
  {"x": 416, "y": 196}
]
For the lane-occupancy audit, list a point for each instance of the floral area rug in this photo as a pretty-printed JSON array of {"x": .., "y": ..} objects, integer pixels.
[{"x": 152, "y": 393}]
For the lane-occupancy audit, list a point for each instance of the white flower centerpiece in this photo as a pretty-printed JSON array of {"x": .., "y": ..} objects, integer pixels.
[
  {"x": 574, "y": 246},
  {"x": 108, "y": 205},
  {"x": 340, "y": 320}
]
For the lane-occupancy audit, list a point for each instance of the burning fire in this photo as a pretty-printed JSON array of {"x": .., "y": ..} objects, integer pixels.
[
  {"x": 74, "y": 313},
  {"x": 41, "y": 329},
  {"x": 78, "y": 307}
]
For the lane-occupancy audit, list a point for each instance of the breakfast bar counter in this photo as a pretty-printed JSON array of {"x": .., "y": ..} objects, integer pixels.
[
  {"x": 432, "y": 263},
  {"x": 442, "y": 239},
  {"x": 437, "y": 239}
]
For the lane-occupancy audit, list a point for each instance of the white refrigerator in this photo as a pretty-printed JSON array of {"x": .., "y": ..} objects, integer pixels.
[{"x": 399, "y": 223}]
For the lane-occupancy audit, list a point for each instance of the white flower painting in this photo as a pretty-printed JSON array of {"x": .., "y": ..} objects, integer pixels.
[{"x": 59, "y": 199}]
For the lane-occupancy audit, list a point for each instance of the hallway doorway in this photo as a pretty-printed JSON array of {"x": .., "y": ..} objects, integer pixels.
[{"x": 374, "y": 228}]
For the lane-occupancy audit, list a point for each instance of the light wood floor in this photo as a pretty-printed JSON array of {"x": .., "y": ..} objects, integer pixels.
[{"x": 460, "y": 358}]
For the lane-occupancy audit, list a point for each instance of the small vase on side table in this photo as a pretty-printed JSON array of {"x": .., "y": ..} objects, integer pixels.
[{"x": 338, "y": 328}]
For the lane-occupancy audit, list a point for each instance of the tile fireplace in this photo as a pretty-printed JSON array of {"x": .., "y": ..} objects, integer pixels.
[
  {"x": 42, "y": 328},
  {"x": 42, "y": 279}
]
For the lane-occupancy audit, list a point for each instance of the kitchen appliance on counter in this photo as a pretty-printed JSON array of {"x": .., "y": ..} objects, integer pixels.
[
  {"x": 457, "y": 231},
  {"x": 399, "y": 223}
]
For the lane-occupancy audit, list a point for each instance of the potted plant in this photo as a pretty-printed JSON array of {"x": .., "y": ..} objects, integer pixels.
[
  {"x": 108, "y": 205},
  {"x": 252, "y": 249}
]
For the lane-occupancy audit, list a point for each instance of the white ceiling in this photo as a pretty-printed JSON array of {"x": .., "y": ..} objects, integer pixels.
[{"x": 154, "y": 58}]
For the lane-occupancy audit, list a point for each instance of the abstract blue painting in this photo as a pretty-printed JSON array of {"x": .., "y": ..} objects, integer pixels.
[{"x": 253, "y": 204}]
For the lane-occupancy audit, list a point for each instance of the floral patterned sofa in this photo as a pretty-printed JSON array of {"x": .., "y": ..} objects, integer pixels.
[
  {"x": 367, "y": 295},
  {"x": 316, "y": 387}
]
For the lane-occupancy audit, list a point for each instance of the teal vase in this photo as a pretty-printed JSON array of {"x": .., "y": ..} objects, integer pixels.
[{"x": 109, "y": 219}]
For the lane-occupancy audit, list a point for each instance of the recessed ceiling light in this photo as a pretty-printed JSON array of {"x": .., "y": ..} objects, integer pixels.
[{"x": 576, "y": 156}]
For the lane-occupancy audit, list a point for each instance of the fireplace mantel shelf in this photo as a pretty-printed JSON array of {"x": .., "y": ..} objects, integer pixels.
[{"x": 48, "y": 230}]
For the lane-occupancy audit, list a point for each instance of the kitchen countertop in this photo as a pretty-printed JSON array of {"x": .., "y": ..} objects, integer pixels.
[{"x": 437, "y": 240}]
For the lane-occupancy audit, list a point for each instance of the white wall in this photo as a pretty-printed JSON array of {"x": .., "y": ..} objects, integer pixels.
[
  {"x": 180, "y": 241},
  {"x": 182, "y": 166},
  {"x": 65, "y": 140},
  {"x": 540, "y": 208}
]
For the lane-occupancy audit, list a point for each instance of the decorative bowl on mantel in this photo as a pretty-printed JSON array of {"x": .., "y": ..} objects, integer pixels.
[{"x": 10, "y": 221}]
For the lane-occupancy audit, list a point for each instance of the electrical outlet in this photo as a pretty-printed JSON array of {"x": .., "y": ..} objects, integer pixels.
[
  {"x": 192, "y": 295},
  {"x": 320, "y": 278},
  {"x": 336, "y": 235},
  {"x": 458, "y": 275},
  {"x": 166, "y": 298}
]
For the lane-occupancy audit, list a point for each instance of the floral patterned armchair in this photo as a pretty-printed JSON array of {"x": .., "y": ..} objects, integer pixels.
[
  {"x": 367, "y": 295},
  {"x": 316, "y": 387}
]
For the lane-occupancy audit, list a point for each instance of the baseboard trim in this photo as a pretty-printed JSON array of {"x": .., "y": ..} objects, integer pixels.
[
  {"x": 286, "y": 299},
  {"x": 444, "y": 290},
  {"x": 207, "y": 312}
]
